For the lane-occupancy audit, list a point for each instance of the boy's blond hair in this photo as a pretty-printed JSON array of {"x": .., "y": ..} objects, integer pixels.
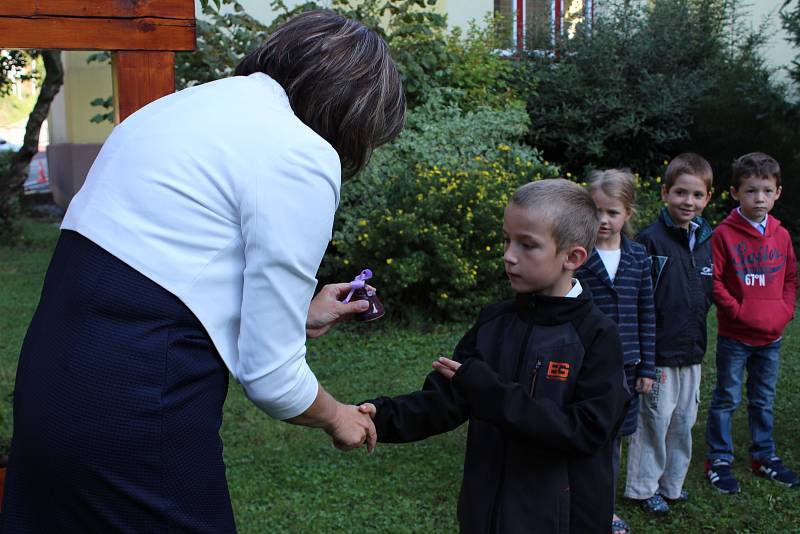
[
  {"x": 689, "y": 163},
  {"x": 570, "y": 208}
]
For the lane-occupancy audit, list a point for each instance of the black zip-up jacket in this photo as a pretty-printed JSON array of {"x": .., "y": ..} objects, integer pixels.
[
  {"x": 542, "y": 385},
  {"x": 683, "y": 285}
]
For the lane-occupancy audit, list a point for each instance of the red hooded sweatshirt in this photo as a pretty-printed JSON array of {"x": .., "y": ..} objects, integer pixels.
[{"x": 755, "y": 279}]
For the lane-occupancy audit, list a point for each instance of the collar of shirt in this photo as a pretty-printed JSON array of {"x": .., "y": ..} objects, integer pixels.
[
  {"x": 575, "y": 291},
  {"x": 693, "y": 226},
  {"x": 273, "y": 86},
  {"x": 760, "y": 226}
]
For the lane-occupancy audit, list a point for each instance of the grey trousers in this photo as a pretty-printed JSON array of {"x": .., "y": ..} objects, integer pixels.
[{"x": 661, "y": 448}]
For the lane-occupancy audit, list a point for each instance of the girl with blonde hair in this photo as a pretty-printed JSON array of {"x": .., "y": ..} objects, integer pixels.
[{"x": 618, "y": 275}]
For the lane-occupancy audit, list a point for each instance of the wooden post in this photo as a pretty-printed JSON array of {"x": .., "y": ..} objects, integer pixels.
[
  {"x": 139, "y": 78},
  {"x": 142, "y": 34}
]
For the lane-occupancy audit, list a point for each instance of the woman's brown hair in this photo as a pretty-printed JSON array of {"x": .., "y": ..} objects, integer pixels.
[{"x": 340, "y": 81}]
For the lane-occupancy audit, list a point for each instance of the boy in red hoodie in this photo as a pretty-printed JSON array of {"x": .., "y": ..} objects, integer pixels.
[{"x": 755, "y": 287}]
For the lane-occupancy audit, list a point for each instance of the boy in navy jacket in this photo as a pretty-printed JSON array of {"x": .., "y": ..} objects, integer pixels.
[
  {"x": 755, "y": 290},
  {"x": 539, "y": 378},
  {"x": 679, "y": 245}
]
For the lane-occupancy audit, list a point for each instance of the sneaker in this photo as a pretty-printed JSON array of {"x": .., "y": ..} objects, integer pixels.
[
  {"x": 718, "y": 472},
  {"x": 620, "y": 525},
  {"x": 775, "y": 470},
  {"x": 683, "y": 497},
  {"x": 655, "y": 504}
]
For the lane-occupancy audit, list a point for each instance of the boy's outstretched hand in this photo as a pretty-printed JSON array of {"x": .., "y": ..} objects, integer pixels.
[
  {"x": 368, "y": 408},
  {"x": 446, "y": 367}
]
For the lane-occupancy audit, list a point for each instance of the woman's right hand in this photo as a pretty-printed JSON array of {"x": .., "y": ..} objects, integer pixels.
[{"x": 351, "y": 428}]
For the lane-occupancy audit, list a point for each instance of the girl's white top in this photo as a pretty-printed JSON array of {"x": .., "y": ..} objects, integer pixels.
[
  {"x": 610, "y": 260},
  {"x": 223, "y": 197}
]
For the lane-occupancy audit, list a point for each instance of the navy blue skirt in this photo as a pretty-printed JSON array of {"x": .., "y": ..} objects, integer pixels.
[{"x": 117, "y": 407}]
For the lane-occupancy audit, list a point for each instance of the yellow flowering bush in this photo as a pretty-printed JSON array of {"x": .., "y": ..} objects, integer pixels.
[
  {"x": 648, "y": 200},
  {"x": 426, "y": 216}
]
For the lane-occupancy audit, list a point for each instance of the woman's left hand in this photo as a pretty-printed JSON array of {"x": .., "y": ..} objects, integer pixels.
[{"x": 327, "y": 309}]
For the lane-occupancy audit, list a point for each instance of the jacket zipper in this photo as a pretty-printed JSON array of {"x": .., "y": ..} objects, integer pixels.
[
  {"x": 495, "y": 505},
  {"x": 535, "y": 375}
]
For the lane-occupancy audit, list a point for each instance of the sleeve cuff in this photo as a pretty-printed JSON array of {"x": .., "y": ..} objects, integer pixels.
[
  {"x": 284, "y": 393},
  {"x": 469, "y": 376},
  {"x": 646, "y": 372}
]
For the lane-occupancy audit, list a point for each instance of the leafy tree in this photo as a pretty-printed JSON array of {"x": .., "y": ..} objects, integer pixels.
[
  {"x": 460, "y": 67},
  {"x": 620, "y": 92},
  {"x": 747, "y": 110},
  {"x": 416, "y": 35},
  {"x": 13, "y": 65},
  {"x": 224, "y": 36},
  {"x": 13, "y": 177}
]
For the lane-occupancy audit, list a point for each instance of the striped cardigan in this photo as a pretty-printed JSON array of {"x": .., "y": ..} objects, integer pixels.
[{"x": 628, "y": 300}]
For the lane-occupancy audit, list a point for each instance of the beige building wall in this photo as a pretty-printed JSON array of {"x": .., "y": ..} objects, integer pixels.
[
  {"x": 257, "y": 8},
  {"x": 461, "y": 12},
  {"x": 70, "y": 117},
  {"x": 74, "y": 139},
  {"x": 779, "y": 52}
]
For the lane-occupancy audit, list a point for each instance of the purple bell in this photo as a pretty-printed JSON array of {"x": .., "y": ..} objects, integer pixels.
[{"x": 360, "y": 291}]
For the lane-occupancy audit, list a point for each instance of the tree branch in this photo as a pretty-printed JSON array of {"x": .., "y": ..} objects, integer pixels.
[{"x": 53, "y": 80}]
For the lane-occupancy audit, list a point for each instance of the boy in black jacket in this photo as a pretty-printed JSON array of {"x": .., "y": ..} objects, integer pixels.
[
  {"x": 540, "y": 379},
  {"x": 679, "y": 245}
]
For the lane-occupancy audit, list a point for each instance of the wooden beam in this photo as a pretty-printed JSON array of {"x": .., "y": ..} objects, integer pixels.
[
  {"x": 70, "y": 33},
  {"x": 172, "y": 9},
  {"x": 139, "y": 78}
]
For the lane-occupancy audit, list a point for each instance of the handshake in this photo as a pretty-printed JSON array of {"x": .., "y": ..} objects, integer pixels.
[{"x": 352, "y": 426}]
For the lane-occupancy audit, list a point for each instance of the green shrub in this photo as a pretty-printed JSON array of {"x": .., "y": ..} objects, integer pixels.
[
  {"x": 478, "y": 76},
  {"x": 426, "y": 214},
  {"x": 225, "y": 35}
]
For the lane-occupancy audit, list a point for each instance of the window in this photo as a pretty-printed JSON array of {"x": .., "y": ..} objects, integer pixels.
[{"x": 535, "y": 24}]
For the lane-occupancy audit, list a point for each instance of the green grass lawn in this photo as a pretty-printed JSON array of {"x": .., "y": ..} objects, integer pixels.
[{"x": 290, "y": 479}]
